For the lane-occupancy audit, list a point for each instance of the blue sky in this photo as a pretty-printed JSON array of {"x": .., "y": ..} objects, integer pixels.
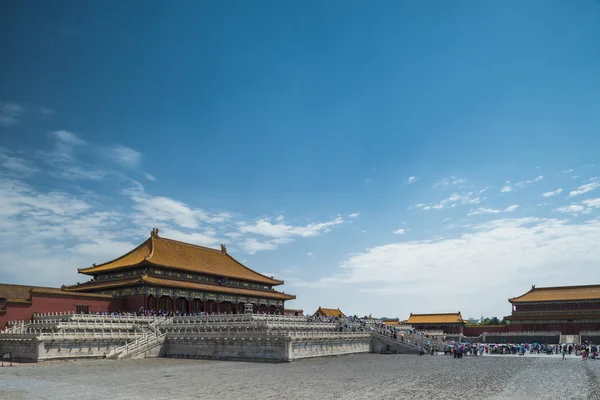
[{"x": 386, "y": 158}]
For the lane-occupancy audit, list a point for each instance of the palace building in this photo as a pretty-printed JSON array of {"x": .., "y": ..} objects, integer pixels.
[
  {"x": 160, "y": 274},
  {"x": 451, "y": 323},
  {"x": 329, "y": 312},
  {"x": 568, "y": 309}
]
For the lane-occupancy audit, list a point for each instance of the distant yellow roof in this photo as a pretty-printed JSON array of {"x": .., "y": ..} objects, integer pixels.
[
  {"x": 392, "y": 323},
  {"x": 13, "y": 292},
  {"x": 330, "y": 312},
  {"x": 559, "y": 293},
  {"x": 182, "y": 256},
  {"x": 451, "y": 318}
]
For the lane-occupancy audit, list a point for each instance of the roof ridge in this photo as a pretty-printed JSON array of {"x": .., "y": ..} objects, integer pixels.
[
  {"x": 188, "y": 244},
  {"x": 456, "y": 313},
  {"x": 250, "y": 269},
  {"x": 565, "y": 287},
  {"x": 219, "y": 252},
  {"x": 115, "y": 259}
]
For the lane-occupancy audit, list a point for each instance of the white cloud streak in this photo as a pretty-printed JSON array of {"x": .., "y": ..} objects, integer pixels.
[
  {"x": 588, "y": 187},
  {"x": 126, "y": 156},
  {"x": 11, "y": 112},
  {"x": 529, "y": 182},
  {"x": 553, "y": 193},
  {"x": 483, "y": 210},
  {"x": 516, "y": 252}
]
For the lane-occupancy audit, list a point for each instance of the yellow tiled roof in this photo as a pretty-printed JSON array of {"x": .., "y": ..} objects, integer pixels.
[
  {"x": 19, "y": 301},
  {"x": 144, "y": 279},
  {"x": 182, "y": 256},
  {"x": 13, "y": 292},
  {"x": 558, "y": 293},
  {"x": 330, "y": 312},
  {"x": 451, "y": 318}
]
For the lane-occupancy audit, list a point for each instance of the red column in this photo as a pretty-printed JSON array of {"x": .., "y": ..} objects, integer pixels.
[{"x": 189, "y": 306}]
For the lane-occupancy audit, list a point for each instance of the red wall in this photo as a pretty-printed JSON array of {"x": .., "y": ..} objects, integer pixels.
[
  {"x": 47, "y": 303},
  {"x": 15, "y": 312},
  {"x": 135, "y": 302}
]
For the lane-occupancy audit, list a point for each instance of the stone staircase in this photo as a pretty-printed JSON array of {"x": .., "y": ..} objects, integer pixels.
[
  {"x": 147, "y": 344},
  {"x": 570, "y": 339},
  {"x": 382, "y": 344}
]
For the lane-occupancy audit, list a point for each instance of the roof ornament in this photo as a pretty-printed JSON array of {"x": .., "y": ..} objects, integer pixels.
[
  {"x": 154, "y": 232},
  {"x": 533, "y": 286},
  {"x": 223, "y": 249}
]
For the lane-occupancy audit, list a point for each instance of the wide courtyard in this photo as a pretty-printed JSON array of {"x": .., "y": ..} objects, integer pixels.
[{"x": 359, "y": 376}]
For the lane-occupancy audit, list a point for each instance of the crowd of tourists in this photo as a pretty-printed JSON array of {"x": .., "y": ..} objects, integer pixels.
[{"x": 457, "y": 350}]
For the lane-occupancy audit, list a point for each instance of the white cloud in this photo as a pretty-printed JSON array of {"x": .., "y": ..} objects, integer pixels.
[
  {"x": 588, "y": 187},
  {"x": 11, "y": 112},
  {"x": 451, "y": 181},
  {"x": 454, "y": 200},
  {"x": 517, "y": 252},
  {"x": 68, "y": 137},
  {"x": 506, "y": 189},
  {"x": 63, "y": 161},
  {"x": 554, "y": 193},
  {"x": 592, "y": 203},
  {"x": 280, "y": 218},
  {"x": 483, "y": 190},
  {"x": 149, "y": 177},
  {"x": 411, "y": 179},
  {"x": 157, "y": 209},
  {"x": 16, "y": 165},
  {"x": 525, "y": 183},
  {"x": 207, "y": 238},
  {"x": 126, "y": 156},
  {"x": 251, "y": 246},
  {"x": 264, "y": 227},
  {"x": 511, "y": 208},
  {"x": 566, "y": 171},
  {"x": 573, "y": 208},
  {"x": 483, "y": 210},
  {"x": 353, "y": 215},
  {"x": 400, "y": 231}
]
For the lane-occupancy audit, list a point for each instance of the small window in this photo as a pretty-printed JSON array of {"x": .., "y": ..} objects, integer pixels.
[{"x": 82, "y": 309}]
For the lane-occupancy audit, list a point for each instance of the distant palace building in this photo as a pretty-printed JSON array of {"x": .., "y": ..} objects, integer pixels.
[
  {"x": 329, "y": 312},
  {"x": 568, "y": 309},
  {"x": 159, "y": 274},
  {"x": 451, "y": 323}
]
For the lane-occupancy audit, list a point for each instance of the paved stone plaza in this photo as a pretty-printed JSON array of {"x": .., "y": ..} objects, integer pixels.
[{"x": 359, "y": 376}]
